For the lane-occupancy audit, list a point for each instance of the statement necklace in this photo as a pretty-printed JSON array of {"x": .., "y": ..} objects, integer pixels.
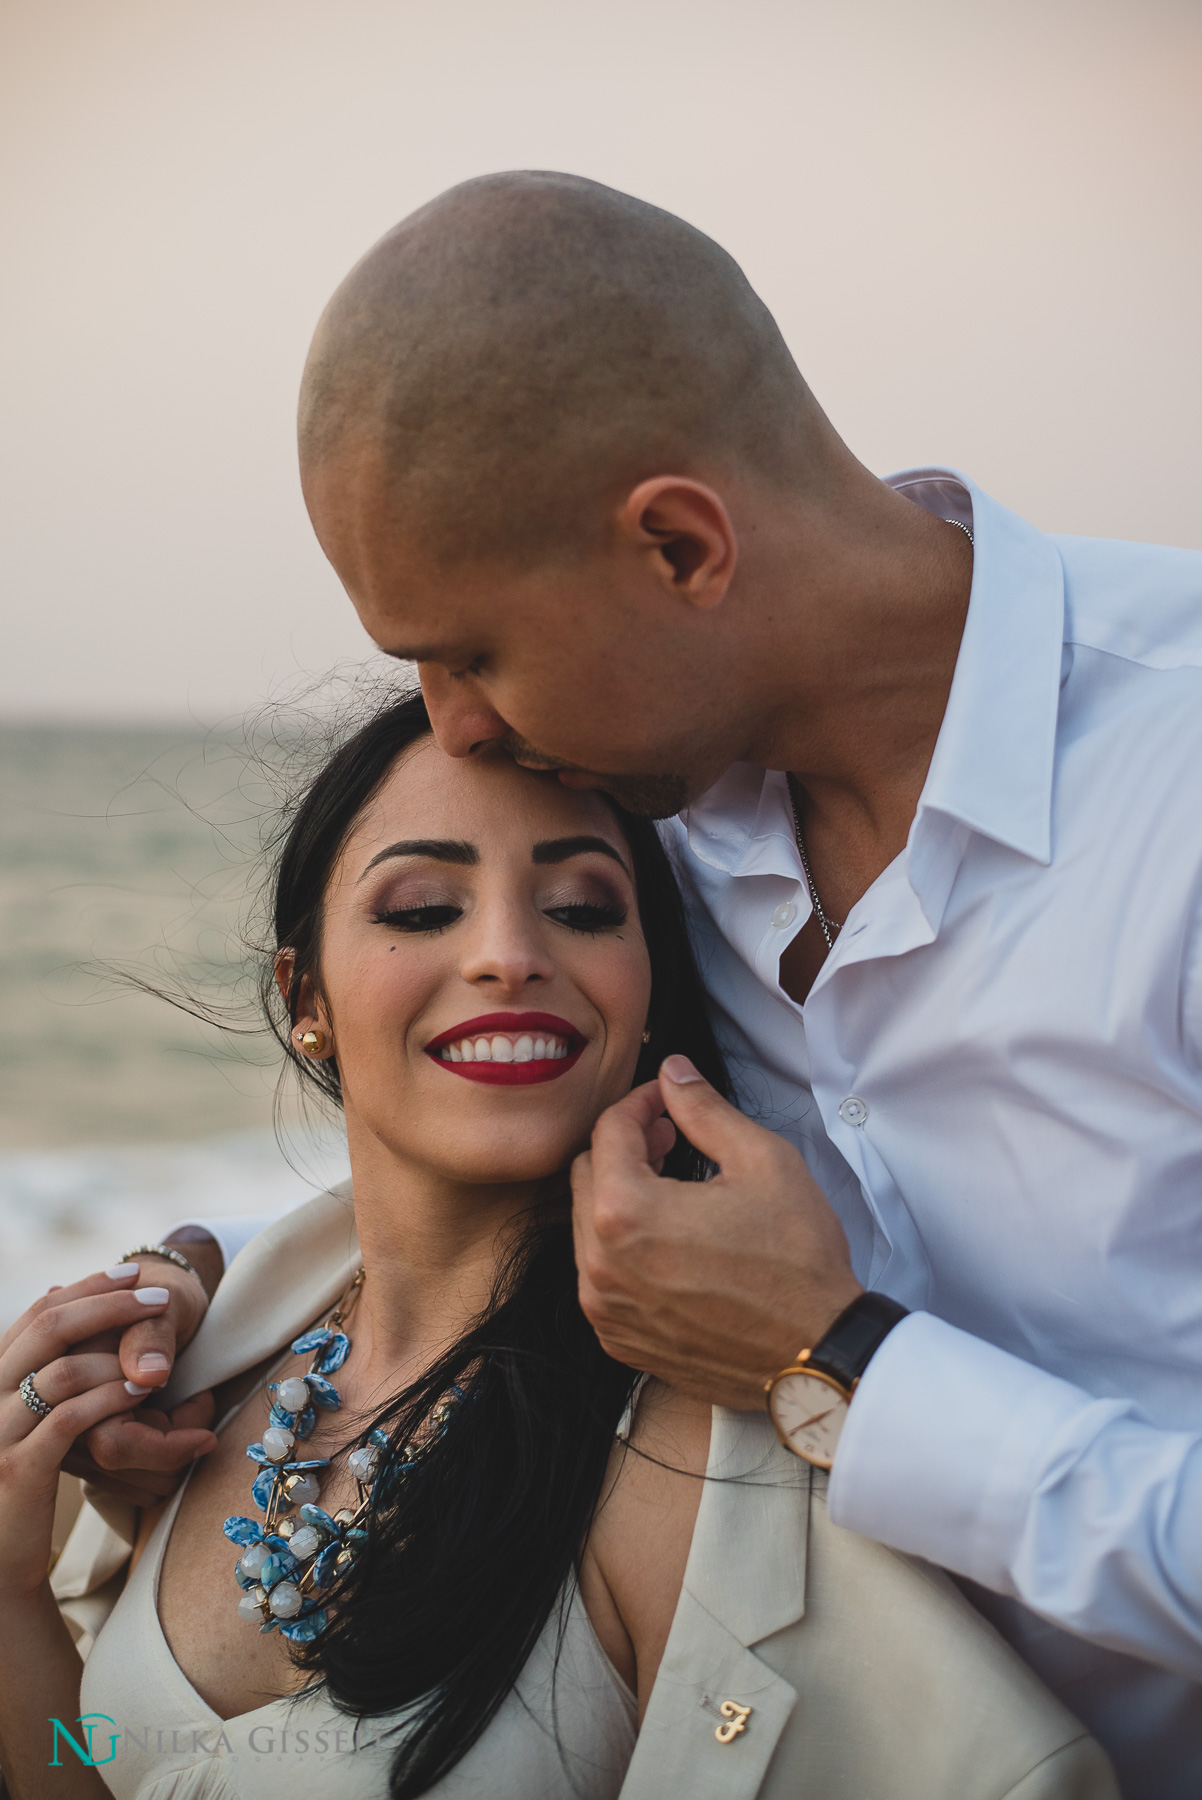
[{"x": 300, "y": 1546}]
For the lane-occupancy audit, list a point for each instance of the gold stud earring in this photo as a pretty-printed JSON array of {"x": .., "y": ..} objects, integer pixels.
[
  {"x": 312, "y": 1042},
  {"x": 647, "y": 1035}
]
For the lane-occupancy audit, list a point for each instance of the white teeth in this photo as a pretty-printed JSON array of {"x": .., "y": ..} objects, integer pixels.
[{"x": 522, "y": 1049}]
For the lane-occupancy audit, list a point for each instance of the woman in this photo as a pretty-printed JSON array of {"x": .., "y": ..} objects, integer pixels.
[{"x": 447, "y": 1541}]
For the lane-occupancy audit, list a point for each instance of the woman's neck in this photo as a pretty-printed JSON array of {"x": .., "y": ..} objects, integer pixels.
[{"x": 431, "y": 1249}]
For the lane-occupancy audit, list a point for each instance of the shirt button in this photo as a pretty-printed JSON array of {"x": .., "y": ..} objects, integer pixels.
[
  {"x": 853, "y": 1110},
  {"x": 784, "y": 915}
]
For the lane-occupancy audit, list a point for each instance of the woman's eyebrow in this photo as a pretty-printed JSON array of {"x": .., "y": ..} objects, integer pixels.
[
  {"x": 448, "y": 850},
  {"x": 557, "y": 850}
]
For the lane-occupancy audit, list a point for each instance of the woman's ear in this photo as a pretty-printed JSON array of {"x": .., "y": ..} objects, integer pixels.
[{"x": 309, "y": 1017}]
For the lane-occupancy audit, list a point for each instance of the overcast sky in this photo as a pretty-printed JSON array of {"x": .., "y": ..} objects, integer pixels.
[{"x": 978, "y": 224}]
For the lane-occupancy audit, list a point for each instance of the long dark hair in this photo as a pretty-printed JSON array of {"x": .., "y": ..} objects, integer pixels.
[{"x": 466, "y": 1558}]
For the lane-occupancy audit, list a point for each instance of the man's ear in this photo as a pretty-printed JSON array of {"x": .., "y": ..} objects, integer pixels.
[{"x": 685, "y": 530}]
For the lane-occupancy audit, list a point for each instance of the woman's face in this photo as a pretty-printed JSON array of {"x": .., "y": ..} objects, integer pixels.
[{"x": 484, "y": 976}]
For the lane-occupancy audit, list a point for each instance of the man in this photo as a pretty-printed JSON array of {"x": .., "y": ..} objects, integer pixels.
[{"x": 938, "y": 780}]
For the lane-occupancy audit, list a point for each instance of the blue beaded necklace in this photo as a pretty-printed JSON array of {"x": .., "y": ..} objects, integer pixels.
[{"x": 300, "y": 1546}]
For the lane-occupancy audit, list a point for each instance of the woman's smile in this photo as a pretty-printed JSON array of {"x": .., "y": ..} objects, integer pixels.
[{"x": 507, "y": 1049}]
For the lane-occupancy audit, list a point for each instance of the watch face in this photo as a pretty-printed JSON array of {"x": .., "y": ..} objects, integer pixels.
[{"x": 808, "y": 1412}]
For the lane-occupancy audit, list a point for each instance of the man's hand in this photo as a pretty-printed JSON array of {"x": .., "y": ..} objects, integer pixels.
[
  {"x": 140, "y": 1456},
  {"x": 712, "y": 1286}
]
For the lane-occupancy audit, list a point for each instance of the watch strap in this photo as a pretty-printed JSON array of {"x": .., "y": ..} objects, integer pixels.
[{"x": 845, "y": 1351}]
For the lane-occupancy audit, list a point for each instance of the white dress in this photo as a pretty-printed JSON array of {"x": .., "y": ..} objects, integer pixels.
[{"x": 566, "y": 1732}]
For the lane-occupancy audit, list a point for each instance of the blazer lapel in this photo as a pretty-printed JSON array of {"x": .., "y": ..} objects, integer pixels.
[
  {"x": 745, "y": 1580},
  {"x": 283, "y": 1279}
]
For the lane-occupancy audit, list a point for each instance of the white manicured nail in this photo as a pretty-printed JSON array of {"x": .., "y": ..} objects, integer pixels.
[
  {"x": 152, "y": 1296},
  {"x": 131, "y": 1387},
  {"x": 123, "y": 1272}
]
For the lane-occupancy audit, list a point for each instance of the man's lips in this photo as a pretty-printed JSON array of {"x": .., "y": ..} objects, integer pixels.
[{"x": 560, "y": 1043}]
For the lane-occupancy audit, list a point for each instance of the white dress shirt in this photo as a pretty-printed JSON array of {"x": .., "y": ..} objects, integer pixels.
[{"x": 997, "y": 1080}]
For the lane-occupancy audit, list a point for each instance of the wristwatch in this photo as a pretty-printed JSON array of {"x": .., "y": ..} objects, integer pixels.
[{"x": 808, "y": 1401}]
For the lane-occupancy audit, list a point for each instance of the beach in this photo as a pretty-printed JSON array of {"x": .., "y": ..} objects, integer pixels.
[{"x": 132, "y": 855}]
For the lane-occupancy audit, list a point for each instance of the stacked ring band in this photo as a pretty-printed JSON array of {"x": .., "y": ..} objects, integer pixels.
[{"x": 32, "y": 1398}]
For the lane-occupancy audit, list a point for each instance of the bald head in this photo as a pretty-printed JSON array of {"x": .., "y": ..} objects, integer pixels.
[{"x": 524, "y": 350}]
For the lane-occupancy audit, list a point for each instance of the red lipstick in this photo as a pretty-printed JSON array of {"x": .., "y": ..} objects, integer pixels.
[{"x": 510, "y": 1026}]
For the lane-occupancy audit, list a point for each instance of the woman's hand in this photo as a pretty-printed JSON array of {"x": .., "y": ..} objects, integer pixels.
[
  {"x": 140, "y": 1457},
  {"x": 81, "y": 1388}
]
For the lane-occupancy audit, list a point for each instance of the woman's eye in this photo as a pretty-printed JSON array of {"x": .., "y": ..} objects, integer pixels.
[
  {"x": 419, "y": 918},
  {"x": 591, "y": 916}
]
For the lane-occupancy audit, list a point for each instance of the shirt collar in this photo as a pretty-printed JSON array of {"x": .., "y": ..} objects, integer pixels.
[{"x": 993, "y": 761}]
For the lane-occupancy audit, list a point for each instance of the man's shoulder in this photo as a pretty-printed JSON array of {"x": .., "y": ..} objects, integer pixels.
[{"x": 1140, "y": 602}]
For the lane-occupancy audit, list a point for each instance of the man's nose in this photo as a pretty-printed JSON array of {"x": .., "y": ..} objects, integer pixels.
[{"x": 461, "y": 720}]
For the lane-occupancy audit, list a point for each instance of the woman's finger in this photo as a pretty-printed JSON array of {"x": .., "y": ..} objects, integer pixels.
[
  {"x": 40, "y": 1454},
  {"x": 61, "y": 1324},
  {"x": 106, "y": 1281}
]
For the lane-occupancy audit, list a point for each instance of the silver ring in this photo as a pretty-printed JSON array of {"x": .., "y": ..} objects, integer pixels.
[{"x": 33, "y": 1399}]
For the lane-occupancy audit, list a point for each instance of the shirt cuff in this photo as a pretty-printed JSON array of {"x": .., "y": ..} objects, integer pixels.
[
  {"x": 231, "y": 1233},
  {"x": 947, "y": 1441}
]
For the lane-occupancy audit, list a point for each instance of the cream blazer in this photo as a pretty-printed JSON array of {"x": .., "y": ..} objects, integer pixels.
[{"x": 846, "y": 1672}]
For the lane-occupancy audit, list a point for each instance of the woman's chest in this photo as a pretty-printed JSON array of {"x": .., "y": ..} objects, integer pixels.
[{"x": 228, "y": 1659}]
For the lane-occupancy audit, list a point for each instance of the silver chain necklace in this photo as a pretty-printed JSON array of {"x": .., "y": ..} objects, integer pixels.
[{"x": 826, "y": 925}]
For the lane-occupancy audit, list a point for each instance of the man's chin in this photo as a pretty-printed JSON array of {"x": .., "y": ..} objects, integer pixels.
[{"x": 645, "y": 796}]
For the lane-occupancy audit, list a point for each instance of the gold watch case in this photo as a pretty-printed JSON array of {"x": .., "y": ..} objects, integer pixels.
[{"x": 808, "y": 1410}]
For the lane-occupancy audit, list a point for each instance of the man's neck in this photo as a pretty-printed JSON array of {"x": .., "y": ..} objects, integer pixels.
[{"x": 876, "y": 595}]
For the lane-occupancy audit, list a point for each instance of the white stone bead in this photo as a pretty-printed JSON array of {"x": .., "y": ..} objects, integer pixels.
[
  {"x": 253, "y": 1559},
  {"x": 293, "y": 1395},
  {"x": 285, "y": 1600},
  {"x": 250, "y": 1608},
  {"x": 277, "y": 1443},
  {"x": 362, "y": 1464},
  {"x": 303, "y": 1490},
  {"x": 304, "y": 1542}
]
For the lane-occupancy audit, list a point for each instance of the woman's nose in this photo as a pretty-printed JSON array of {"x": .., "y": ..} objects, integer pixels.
[{"x": 504, "y": 952}]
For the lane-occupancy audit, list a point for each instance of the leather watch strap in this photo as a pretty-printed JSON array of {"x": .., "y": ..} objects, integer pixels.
[{"x": 845, "y": 1351}]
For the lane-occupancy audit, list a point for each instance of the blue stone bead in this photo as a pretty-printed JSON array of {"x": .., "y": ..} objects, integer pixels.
[
  {"x": 313, "y": 1515},
  {"x": 323, "y": 1568},
  {"x": 261, "y": 1488},
  {"x": 324, "y": 1392},
  {"x": 275, "y": 1569},
  {"x": 305, "y": 1423},
  {"x": 270, "y": 1626},
  {"x": 242, "y": 1531},
  {"x": 244, "y": 1580},
  {"x": 379, "y": 1438},
  {"x": 257, "y": 1454},
  {"x": 312, "y": 1340},
  {"x": 334, "y": 1355},
  {"x": 306, "y": 1628},
  {"x": 320, "y": 1462},
  {"x": 281, "y": 1417}
]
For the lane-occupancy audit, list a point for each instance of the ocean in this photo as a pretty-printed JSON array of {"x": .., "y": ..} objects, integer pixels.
[{"x": 132, "y": 855}]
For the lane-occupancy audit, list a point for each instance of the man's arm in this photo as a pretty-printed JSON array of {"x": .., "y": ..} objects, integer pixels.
[{"x": 953, "y": 1450}]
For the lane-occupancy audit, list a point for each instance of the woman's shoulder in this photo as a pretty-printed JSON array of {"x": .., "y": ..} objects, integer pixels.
[
  {"x": 852, "y": 1668},
  {"x": 278, "y": 1283}
]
